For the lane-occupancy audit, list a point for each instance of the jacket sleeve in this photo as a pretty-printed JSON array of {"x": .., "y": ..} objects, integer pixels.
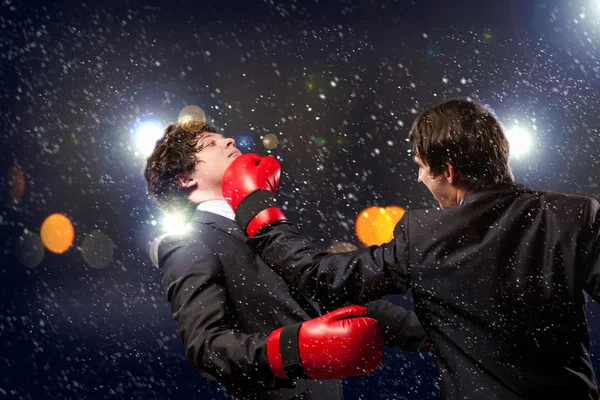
[
  {"x": 401, "y": 328},
  {"x": 591, "y": 250},
  {"x": 192, "y": 277},
  {"x": 357, "y": 277}
]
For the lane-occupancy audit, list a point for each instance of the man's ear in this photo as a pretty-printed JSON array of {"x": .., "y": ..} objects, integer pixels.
[
  {"x": 185, "y": 181},
  {"x": 451, "y": 174}
]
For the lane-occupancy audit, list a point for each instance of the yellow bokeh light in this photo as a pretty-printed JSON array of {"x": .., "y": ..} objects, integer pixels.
[
  {"x": 396, "y": 212},
  {"x": 270, "y": 141},
  {"x": 375, "y": 225},
  {"x": 57, "y": 233},
  {"x": 192, "y": 118}
]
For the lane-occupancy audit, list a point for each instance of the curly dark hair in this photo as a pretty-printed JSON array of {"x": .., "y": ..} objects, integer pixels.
[
  {"x": 467, "y": 135},
  {"x": 174, "y": 154}
]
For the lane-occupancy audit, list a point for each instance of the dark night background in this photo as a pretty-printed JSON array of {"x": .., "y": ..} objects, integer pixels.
[{"x": 75, "y": 78}]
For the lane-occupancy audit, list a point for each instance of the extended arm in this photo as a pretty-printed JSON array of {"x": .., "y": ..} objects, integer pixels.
[
  {"x": 248, "y": 186},
  {"x": 329, "y": 278}
]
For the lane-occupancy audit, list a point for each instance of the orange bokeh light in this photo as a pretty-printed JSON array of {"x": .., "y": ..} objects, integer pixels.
[
  {"x": 17, "y": 184},
  {"x": 375, "y": 225},
  {"x": 57, "y": 233}
]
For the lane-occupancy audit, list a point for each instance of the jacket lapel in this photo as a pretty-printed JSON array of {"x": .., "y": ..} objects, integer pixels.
[{"x": 231, "y": 227}]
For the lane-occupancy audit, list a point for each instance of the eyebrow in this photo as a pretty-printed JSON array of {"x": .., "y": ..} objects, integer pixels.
[{"x": 204, "y": 136}]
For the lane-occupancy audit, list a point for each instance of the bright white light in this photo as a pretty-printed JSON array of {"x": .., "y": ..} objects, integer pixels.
[
  {"x": 174, "y": 223},
  {"x": 520, "y": 141},
  {"x": 146, "y": 135}
]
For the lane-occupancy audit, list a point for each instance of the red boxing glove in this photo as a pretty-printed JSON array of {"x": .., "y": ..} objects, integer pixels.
[
  {"x": 336, "y": 345},
  {"x": 248, "y": 185}
]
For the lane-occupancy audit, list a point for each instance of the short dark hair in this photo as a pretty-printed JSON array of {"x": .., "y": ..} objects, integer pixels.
[
  {"x": 467, "y": 135},
  {"x": 174, "y": 154}
]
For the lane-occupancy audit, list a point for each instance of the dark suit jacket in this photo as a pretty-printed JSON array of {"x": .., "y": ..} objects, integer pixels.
[
  {"x": 498, "y": 284},
  {"x": 226, "y": 301}
]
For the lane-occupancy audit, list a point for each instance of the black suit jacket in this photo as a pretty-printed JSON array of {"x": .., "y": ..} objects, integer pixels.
[
  {"x": 226, "y": 301},
  {"x": 498, "y": 284}
]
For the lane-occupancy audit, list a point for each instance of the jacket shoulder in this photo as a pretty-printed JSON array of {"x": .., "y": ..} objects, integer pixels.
[
  {"x": 180, "y": 249},
  {"x": 570, "y": 204},
  {"x": 566, "y": 197},
  {"x": 180, "y": 239}
]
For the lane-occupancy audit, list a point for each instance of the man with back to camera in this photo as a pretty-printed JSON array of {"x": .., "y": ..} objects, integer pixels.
[
  {"x": 498, "y": 273},
  {"x": 229, "y": 305}
]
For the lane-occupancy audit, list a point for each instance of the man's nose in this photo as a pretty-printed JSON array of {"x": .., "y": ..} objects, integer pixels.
[{"x": 229, "y": 142}]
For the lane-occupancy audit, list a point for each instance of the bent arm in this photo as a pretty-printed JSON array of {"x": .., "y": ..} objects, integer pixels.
[{"x": 193, "y": 281}]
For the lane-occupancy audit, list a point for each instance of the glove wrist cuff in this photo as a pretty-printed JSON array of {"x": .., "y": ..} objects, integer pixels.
[
  {"x": 290, "y": 352},
  {"x": 252, "y": 205},
  {"x": 284, "y": 354}
]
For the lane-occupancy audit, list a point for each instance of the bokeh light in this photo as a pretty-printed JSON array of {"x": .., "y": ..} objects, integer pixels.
[
  {"x": 29, "y": 249},
  {"x": 319, "y": 141},
  {"x": 57, "y": 233},
  {"x": 434, "y": 51},
  {"x": 363, "y": 225},
  {"x": 270, "y": 141},
  {"x": 145, "y": 133},
  {"x": 375, "y": 225},
  {"x": 395, "y": 213},
  {"x": 97, "y": 250},
  {"x": 174, "y": 222},
  {"x": 244, "y": 141},
  {"x": 520, "y": 141},
  {"x": 192, "y": 118},
  {"x": 17, "y": 184}
]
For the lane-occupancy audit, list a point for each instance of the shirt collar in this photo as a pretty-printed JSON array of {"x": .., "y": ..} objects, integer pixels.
[
  {"x": 219, "y": 207},
  {"x": 501, "y": 189}
]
